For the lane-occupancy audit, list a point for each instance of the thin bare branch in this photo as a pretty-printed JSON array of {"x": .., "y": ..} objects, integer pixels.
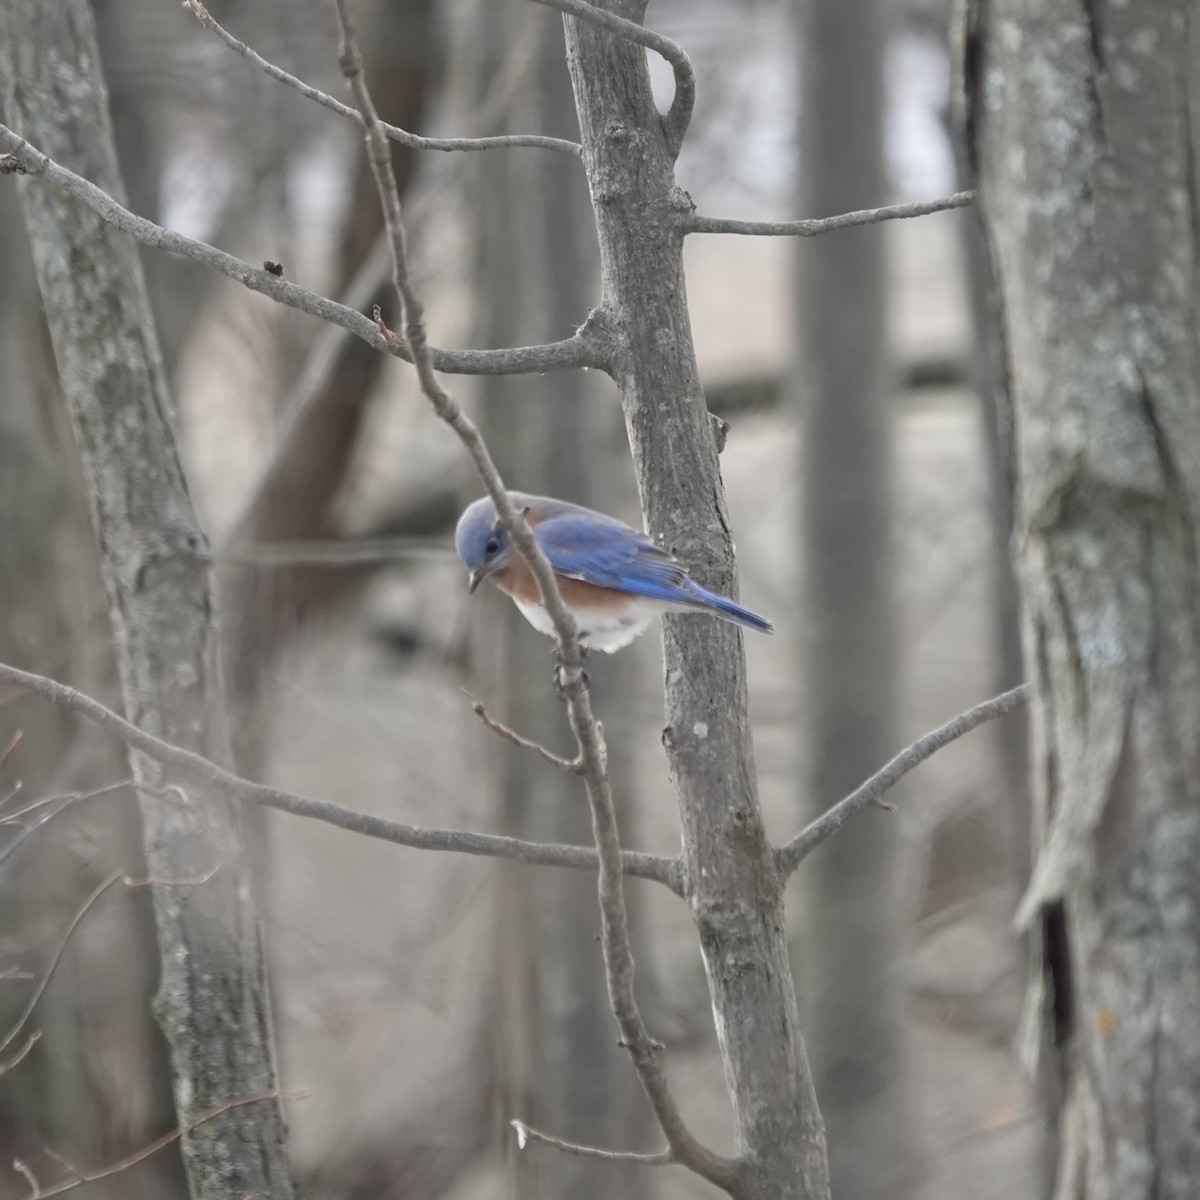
[
  {"x": 527, "y": 1133},
  {"x": 23, "y": 1168},
  {"x": 82, "y": 1176},
  {"x": 13, "y": 743},
  {"x": 44, "y": 981},
  {"x": 181, "y": 881},
  {"x": 335, "y": 552},
  {"x": 695, "y": 223},
  {"x": 571, "y": 765},
  {"x": 31, "y": 1041},
  {"x": 655, "y": 867},
  {"x": 394, "y": 132},
  {"x": 50, "y": 807},
  {"x": 577, "y": 351},
  {"x": 679, "y": 116},
  {"x": 789, "y": 857},
  {"x": 614, "y": 926}
]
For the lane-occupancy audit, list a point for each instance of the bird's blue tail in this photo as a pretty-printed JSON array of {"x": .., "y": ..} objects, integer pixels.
[{"x": 722, "y": 606}]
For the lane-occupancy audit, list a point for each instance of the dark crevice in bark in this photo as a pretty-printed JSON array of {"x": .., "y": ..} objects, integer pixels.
[
  {"x": 971, "y": 16},
  {"x": 1095, "y": 28},
  {"x": 1057, "y": 965}
]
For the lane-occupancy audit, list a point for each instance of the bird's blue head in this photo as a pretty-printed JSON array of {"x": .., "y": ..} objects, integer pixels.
[{"x": 482, "y": 543}]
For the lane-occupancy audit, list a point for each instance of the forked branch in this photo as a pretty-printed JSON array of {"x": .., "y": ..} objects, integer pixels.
[
  {"x": 394, "y": 132},
  {"x": 811, "y": 228},
  {"x": 19, "y": 157},
  {"x": 527, "y": 1133},
  {"x": 679, "y": 116},
  {"x": 571, "y": 765}
]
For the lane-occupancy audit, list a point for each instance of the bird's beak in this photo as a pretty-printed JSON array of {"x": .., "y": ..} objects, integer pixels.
[{"x": 475, "y": 579}]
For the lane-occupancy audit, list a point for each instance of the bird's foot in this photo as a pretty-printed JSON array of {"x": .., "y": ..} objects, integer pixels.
[{"x": 561, "y": 679}]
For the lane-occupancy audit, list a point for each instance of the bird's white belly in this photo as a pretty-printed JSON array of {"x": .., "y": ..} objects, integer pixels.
[{"x": 605, "y": 631}]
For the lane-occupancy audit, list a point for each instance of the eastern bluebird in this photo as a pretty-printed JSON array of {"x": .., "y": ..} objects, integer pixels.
[{"x": 613, "y": 579}]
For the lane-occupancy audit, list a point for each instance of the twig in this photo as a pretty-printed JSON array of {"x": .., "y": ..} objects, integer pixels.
[
  {"x": 658, "y": 868},
  {"x": 44, "y": 982},
  {"x": 694, "y": 223},
  {"x": 31, "y": 1041},
  {"x": 571, "y": 765},
  {"x": 167, "y": 1139},
  {"x": 23, "y": 1168},
  {"x": 614, "y": 926},
  {"x": 527, "y": 1133},
  {"x": 679, "y": 116},
  {"x": 394, "y": 132},
  {"x": 338, "y": 552},
  {"x": 789, "y": 857},
  {"x": 13, "y": 743},
  {"x": 181, "y": 881},
  {"x": 57, "y": 805},
  {"x": 577, "y": 351}
]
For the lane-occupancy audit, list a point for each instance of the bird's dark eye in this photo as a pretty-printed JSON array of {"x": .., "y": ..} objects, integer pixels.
[{"x": 492, "y": 547}]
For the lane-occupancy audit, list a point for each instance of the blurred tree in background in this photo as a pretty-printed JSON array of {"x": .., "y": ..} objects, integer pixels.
[{"x": 849, "y": 662}]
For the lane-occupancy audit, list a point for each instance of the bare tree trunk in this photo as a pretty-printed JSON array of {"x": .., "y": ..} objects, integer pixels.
[
  {"x": 1081, "y": 119},
  {"x": 847, "y": 965},
  {"x": 50, "y": 1101},
  {"x": 735, "y": 891},
  {"x": 212, "y": 1000}
]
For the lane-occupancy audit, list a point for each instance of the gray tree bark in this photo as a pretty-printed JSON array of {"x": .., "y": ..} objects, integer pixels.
[
  {"x": 852, "y": 992},
  {"x": 212, "y": 1000},
  {"x": 734, "y": 889},
  {"x": 1081, "y": 117}
]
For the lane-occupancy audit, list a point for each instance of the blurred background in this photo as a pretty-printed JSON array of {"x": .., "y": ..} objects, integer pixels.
[{"x": 426, "y": 1000}]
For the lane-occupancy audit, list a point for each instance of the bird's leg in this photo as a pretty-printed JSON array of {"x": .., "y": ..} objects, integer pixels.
[{"x": 560, "y": 682}]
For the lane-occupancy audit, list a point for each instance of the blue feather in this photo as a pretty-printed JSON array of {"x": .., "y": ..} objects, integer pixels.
[
  {"x": 603, "y": 551},
  {"x": 606, "y": 552},
  {"x": 731, "y": 609}
]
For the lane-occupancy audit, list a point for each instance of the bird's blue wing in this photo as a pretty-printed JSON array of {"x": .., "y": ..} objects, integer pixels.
[{"x": 605, "y": 552}]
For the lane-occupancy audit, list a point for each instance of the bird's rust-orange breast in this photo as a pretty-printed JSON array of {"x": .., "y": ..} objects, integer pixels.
[{"x": 516, "y": 580}]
